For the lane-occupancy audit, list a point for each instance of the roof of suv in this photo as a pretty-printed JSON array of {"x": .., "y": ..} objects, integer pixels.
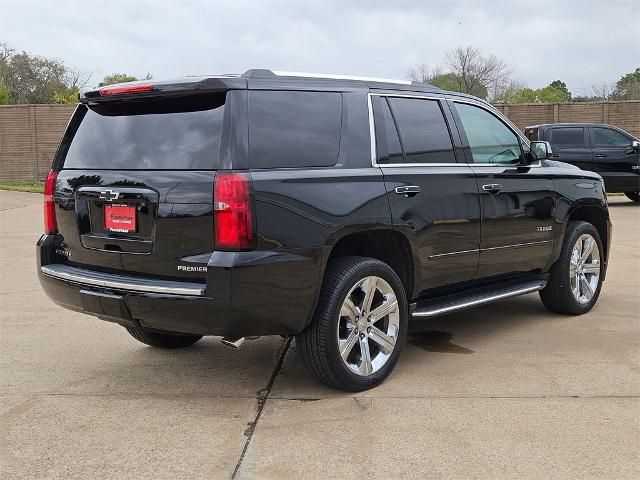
[
  {"x": 569, "y": 124},
  {"x": 256, "y": 78}
]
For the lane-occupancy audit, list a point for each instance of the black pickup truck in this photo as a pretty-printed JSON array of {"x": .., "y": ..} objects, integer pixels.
[
  {"x": 607, "y": 150},
  {"x": 328, "y": 208}
]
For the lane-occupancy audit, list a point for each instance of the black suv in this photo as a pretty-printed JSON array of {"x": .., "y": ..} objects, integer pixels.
[
  {"x": 605, "y": 149},
  {"x": 329, "y": 208}
]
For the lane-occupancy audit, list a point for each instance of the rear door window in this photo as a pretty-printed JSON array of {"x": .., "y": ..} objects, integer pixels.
[
  {"x": 294, "y": 129},
  {"x": 568, "y": 137},
  {"x": 394, "y": 149},
  {"x": 424, "y": 133},
  {"x": 163, "y": 134}
]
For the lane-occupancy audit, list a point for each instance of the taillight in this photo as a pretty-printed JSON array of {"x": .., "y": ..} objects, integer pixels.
[
  {"x": 232, "y": 211},
  {"x": 50, "y": 223},
  {"x": 118, "y": 90}
]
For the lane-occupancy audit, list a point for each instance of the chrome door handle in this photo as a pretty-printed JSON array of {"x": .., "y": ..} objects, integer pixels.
[
  {"x": 600, "y": 155},
  {"x": 407, "y": 190},
  {"x": 492, "y": 187}
]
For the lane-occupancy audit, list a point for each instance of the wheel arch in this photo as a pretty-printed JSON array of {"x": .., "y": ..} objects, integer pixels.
[
  {"x": 387, "y": 245},
  {"x": 595, "y": 214}
]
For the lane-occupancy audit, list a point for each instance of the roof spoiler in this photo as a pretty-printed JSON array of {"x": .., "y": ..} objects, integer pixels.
[{"x": 146, "y": 89}]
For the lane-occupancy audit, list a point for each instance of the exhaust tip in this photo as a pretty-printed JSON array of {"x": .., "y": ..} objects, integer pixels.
[{"x": 234, "y": 343}]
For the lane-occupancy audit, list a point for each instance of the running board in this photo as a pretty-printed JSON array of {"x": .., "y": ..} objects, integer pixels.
[{"x": 464, "y": 300}]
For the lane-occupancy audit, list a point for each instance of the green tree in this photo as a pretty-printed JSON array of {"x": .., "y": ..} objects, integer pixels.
[
  {"x": 69, "y": 96},
  {"x": 628, "y": 87},
  {"x": 36, "y": 79},
  {"x": 117, "y": 78},
  {"x": 556, "y": 92},
  {"x": 445, "y": 81},
  {"x": 562, "y": 87},
  {"x": 4, "y": 95}
]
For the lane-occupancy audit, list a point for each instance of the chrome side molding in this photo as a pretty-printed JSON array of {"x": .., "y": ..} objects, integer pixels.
[{"x": 82, "y": 276}]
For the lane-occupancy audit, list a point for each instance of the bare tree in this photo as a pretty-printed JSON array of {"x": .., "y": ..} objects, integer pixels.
[
  {"x": 505, "y": 93},
  {"x": 602, "y": 90},
  {"x": 478, "y": 74},
  {"x": 5, "y": 52},
  {"x": 419, "y": 73}
]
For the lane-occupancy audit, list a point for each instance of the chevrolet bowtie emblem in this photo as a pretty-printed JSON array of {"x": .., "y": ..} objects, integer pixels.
[{"x": 109, "y": 195}]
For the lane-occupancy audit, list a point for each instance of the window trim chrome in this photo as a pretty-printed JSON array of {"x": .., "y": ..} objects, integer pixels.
[{"x": 114, "y": 281}]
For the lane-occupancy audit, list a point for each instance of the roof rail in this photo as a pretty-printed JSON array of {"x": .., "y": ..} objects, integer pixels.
[{"x": 264, "y": 73}]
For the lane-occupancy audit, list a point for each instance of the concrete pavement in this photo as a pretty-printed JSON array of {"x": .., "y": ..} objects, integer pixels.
[{"x": 504, "y": 391}]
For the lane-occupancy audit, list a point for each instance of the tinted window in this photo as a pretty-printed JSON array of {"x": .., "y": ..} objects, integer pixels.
[
  {"x": 423, "y": 130},
  {"x": 391, "y": 135},
  {"x": 490, "y": 140},
  {"x": 567, "y": 137},
  {"x": 531, "y": 133},
  {"x": 606, "y": 137},
  {"x": 294, "y": 129},
  {"x": 153, "y": 134}
]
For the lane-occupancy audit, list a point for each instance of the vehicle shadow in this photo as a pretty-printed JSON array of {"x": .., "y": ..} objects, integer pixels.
[
  {"x": 207, "y": 368},
  {"x": 210, "y": 369}
]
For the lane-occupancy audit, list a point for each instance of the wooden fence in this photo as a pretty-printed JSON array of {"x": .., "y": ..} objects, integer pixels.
[{"x": 29, "y": 134}]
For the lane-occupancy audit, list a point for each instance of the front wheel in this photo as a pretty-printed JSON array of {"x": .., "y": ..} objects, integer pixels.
[
  {"x": 633, "y": 196},
  {"x": 576, "y": 277},
  {"x": 359, "y": 326}
]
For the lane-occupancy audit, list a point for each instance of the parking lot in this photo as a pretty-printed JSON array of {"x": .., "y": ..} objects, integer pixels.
[{"x": 504, "y": 391}]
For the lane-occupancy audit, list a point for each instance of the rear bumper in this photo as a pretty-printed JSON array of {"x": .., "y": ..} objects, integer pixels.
[{"x": 273, "y": 293}]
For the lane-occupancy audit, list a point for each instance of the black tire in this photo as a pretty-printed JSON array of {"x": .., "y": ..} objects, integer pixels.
[
  {"x": 163, "y": 340},
  {"x": 557, "y": 296},
  {"x": 318, "y": 343},
  {"x": 633, "y": 196}
]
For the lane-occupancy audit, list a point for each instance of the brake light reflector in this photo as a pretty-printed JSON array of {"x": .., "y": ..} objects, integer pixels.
[
  {"x": 125, "y": 89},
  {"x": 232, "y": 211},
  {"x": 50, "y": 223}
]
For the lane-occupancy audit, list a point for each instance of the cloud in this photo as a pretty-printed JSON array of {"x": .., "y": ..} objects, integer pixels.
[{"x": 580, "y": 42}]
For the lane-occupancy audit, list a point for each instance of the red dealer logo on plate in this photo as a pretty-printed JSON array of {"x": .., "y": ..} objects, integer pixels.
[{"x": 120, "y": 218}]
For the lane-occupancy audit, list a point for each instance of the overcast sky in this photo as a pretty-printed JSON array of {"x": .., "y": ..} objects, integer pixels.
[{"x": 582, "y": 42}]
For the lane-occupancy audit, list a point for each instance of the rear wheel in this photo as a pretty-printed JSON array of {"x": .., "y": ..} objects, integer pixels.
[
  {"x": 576, "y": 277},
  {"x": 633, "y": 196},
  {"x": 359, "y": 326},
  {"x": 163, "y": 340}
]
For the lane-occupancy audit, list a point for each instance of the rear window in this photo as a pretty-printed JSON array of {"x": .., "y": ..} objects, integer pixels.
[
  {"x": 567, "y": 137},
  {"x": 294, "y": 129},
  {"x": 165, "y": 134},
  {"x": 532, "y": 134}
]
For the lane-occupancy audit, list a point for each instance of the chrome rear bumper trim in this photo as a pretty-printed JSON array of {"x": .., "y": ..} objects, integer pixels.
[{"x": 121, "y": 282}]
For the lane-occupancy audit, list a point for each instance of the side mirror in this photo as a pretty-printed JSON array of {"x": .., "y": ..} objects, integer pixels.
[
  {"x": 540, "y": 151},
  {"x": 634, "y": 147}
]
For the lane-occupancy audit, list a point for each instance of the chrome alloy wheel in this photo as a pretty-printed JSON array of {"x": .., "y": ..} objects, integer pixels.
[
  {"x": 368, "y": 326},
  {"x": 584, "y": 270}
]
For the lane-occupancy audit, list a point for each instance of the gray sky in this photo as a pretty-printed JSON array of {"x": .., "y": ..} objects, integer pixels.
[{"x": 580, "y": 42}]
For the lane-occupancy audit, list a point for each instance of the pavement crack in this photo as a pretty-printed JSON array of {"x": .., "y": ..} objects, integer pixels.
[
  {"x": 261, "y": 396},
  {"x": 363, "y": 403}
]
